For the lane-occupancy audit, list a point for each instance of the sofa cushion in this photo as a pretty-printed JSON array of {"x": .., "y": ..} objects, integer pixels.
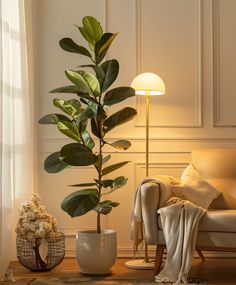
[
  {"x": 218, "y": 166},
  {"x": 195, "y": 188},
  {"x": 215, "y": 221}
]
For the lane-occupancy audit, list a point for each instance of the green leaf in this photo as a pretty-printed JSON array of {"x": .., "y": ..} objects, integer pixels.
[
  {"x": 91, "y": 81},
  {"x": 118, "y": 118},
  {"x": 105, "y": 42},
  {"x": 80, "y": 202},
  {"x": 102, "y": 115},
  {"x": 93, "y": 106},
  {"x": 69, "y": 129},
  {"x": 105, "y": 183},
  {"x": 92, "y": 30},
  {"x": 69, "y": 45},
  {"x": 88, "y": 139},
  {"x": 76, "y": 154},
  {"x": 105, "y": 207},
  {"x": 83, "y": 185},
  {"x": 53, "y": 163},
  {"x": 78, "y": 80},
  {"x": 76, "y": 105},
  {"x": 103, "y": 45},
  {"x": 59, "y": 103},
  {"x": 69, "y": 89},
  {"x": 98, "y": 70},
  {"x": 53, "y": 119},
  {"x": 119, "y": 182},
  {"x": 71, "y": 107},
  {"x": 92, "y": 27},
  {"x": 110, "y": 69},
  {"x": 98, "y": 163},
  {"x": 85, "y": 35},
  {"x": 82, "y": 125},
  {"x": 120, "y": 144},
  {"x": 94, "y": 128},
  {"x": 106, "y": 159},
  {"x": 83, "y": 101},
  {"x": 118, "y": 95},
  {"x": 84, "y": 96},
  {"x": 85, "y": 114},
  {"x": 113, "y": 167}
]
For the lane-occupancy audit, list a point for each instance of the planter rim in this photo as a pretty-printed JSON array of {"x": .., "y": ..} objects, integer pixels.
[{"x": 94, "y": 232}]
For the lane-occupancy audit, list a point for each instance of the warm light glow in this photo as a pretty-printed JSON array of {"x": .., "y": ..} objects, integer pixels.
[{"x": 148, "y": 84}]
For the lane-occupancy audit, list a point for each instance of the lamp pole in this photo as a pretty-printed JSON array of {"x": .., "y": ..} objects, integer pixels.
[{"x": 147, "y": 132}]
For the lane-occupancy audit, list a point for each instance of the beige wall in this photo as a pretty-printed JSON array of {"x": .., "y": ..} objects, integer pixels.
[{"x": 190, "y": 43}]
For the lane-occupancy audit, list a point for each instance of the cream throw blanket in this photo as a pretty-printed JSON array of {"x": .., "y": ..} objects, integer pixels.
[
  {"x": 180, "y": 220},
  {"x": 137, "y": 232}
]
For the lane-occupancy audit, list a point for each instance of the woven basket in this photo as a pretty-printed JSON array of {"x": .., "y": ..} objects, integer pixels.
[{"x": 28, "y": 252}]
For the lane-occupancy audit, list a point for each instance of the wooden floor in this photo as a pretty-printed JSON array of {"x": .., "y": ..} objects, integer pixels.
[{"x": 212, "y": 271}]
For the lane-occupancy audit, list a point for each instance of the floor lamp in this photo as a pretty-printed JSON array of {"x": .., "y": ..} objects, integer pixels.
[{"x": 146, "y": 84}]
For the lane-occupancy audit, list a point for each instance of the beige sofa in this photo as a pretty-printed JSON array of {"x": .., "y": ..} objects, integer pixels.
[{"x": 217, "y": 228}]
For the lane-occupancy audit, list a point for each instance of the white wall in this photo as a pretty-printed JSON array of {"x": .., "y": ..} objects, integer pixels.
[{"x": 189, "y": 43}]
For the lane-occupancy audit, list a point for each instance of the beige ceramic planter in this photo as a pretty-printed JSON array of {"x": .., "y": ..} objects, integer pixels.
[{"x": 96, "y": 253}]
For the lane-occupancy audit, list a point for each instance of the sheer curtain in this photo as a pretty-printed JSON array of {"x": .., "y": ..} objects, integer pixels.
[{"x": 16, "y": 133}]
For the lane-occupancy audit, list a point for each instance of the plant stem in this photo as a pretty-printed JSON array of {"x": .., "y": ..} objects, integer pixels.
[
  {"x": 99, "y": 188},
  {"x": 98, "y": 223}
]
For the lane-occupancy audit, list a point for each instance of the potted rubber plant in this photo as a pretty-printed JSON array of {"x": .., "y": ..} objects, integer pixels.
[{"x": 84, "y": 120}]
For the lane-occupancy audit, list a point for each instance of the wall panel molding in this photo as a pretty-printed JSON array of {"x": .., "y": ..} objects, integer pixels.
[
  {"x": 216, "y": 63},
  {"x": 198, "y": 69},
  {"x": 218, "y": 98},
  {"x": 168, "y": 165},
  {"x": 43, "y": 142},
  {"x": 171, "y": 168}
]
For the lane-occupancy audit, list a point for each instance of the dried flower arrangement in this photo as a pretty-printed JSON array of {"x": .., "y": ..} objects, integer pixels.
[
  {"x": 40, "y": 246},
  {"x": 34, "y": 220}
]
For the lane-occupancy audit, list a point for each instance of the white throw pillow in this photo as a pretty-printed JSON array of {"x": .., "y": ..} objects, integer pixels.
[{"x": 195, "y": 188}]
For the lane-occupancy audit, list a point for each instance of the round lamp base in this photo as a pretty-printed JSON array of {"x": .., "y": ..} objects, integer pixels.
[{"x": 140, "y": 264}]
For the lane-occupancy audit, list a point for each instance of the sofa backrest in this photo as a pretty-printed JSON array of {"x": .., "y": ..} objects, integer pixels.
[{"x": 218, "y": 167}]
